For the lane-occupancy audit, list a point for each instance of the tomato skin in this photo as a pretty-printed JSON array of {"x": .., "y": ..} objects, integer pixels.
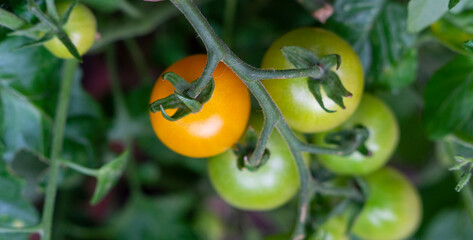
[
  {"x": 384, "y": 135},
  {"x": 393, "y": 209},
  {"x": 81, "y": 27},
  {"x": 216, "y": 127},
  {"x": 270, "y": 186},
  {"x": 296, "y": 102}
]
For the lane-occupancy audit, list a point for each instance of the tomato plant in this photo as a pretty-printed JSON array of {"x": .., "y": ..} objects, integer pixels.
[
  {"x": 268, "y": 187},
  {"x": 81, "y": 27},
  {"x": 382, "y": 125},
  {"x": 393, "y": 209},
  {"x": 296, "y": 102},
  {"x": 217, "y": 126}
]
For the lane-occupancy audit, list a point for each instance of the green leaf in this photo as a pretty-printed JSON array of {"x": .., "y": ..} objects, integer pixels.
[
  {"x": 422, "y": 13},
  {"x": 10, "y": 20},
  {"x": 449, "y": 224},
  {"x": 108, "y": 175},
  {"x": 14, "y": 210},
  {"x": 448, "y": 101},
  {"x": 315, "y": 87},
  {"x": 376, "y": 29},
  {"x": 159, "y": 218},
  {"x": 468, "y": 45},
  {"x": 452, "y": 3}
]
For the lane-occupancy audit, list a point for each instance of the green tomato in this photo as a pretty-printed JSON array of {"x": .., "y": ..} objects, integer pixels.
[
  {"x": 296, "y": 102},
  {"x": 392, "y": 210},
  {"x": 334, "y": 229},
  {"x": 81, "y": 28},
  {"x": 384, "y": 135},
  {"x": 269, "y": 187},
  {"x": 450, "y": 35}
]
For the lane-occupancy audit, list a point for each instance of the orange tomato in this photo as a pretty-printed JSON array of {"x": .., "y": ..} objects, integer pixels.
[{"x": 216, "y": 127}]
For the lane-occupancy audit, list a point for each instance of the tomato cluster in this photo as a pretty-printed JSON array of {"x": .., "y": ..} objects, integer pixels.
[{"x": 392, "y": 209}]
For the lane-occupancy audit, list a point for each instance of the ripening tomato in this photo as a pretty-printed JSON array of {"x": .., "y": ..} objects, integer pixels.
[
  {"x": 217, "y": 126},
  {"x": 393, "y": 209},
  {"x": 296, "y": 102},
  {"x": 269, "y": 187},
  {"x": 382, "y": 141},
  {"x": 81, "y": 28}
]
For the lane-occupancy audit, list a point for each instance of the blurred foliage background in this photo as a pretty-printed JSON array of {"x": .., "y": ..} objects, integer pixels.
[{"x": 175, "y": 200}]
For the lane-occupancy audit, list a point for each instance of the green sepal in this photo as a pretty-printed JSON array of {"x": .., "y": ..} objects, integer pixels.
[
  {"x": 243, "y": 151},
  {"x": 466, "y": 166},
  {"x": 331, "y": 60},
  {"x": 299, "y": 57},
  {"x": 348, "y": 137},
  {"x": 206, "y": 94},
  {"x": 168, "y": 102},
  {"x": 177, "y": 81},
  {"x": 38, "y": 42},
  {"x": 66, "y": 14},
  {"x": 56, "y": 28},
  {"x": 334, "y": 88},
  {"x": 180, "y": 113},
  {"x": 62, "y": 36},
  {"x": 193, "y": 105},
  {"x": 330, "y": 82},
  {"x": 33, "y": 32},
  {"x": 315, "y": 86},
  {"x": 468, "y": 45}
]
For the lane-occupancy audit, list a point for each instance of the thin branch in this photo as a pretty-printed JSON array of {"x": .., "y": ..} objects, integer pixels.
[
  {"x": 212, "y": 61},
  {"x": 67, "y": 79}
]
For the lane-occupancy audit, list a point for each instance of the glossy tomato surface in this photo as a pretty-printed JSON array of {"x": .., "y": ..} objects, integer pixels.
[
  {"x": 382, "y": 125},
  {"x": 393, "y": 209},
  {"x": 216, "y": 127},
  {"x": 269, "y": 187},
  {"x": 81, "y": 28},
  {"x": 296, "y": 102}
]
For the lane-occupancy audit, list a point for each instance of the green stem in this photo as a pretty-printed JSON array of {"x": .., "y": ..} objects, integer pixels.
[
  {"x": 67, "y": 80},
  {"x": 201, "y": 83},
  {"x": 10, "y": 20},
  {"x": 79, "y": 168},
  {"x": 138, "y": 59}
]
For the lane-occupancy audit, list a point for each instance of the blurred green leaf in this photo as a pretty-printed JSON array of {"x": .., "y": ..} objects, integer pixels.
[
  {"x": 14, "y": 210},
  {"x": 449, "y": 224},
  {"x": 448, "y": 101},
  {"x": 422, "y": 13},
  {"x": 108, "y": 175},
  {"x": 155, "y": 218},
  {"x": 376, "y": 29},
  {"x": 468, "y": 45}
]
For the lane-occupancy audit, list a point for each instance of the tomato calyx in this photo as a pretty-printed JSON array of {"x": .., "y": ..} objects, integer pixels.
[
  {"x": 243, "y": 151},
  {"x": 180, "y": 100},
  {"x": 465, "y": 166},
  {"x": 329, "y": 81},
  {"x": 346, "y": 138},
  {"x": 47, "y": 29}
]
